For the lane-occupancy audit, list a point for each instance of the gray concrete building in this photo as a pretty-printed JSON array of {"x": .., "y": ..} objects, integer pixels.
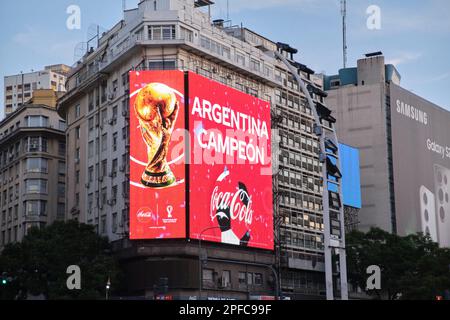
[
  {"x": 178, "y": 34},
  {"x": 32, "y": 167},
  {"x": 359, "y": 98},
  {"x": 402, "y": 140}
]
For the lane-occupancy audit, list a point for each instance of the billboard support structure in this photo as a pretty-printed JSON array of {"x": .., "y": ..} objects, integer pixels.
[{"x": 324, "y": 133}]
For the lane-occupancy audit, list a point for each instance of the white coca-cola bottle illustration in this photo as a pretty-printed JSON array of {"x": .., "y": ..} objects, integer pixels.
[{"x": 231, "y": 204}]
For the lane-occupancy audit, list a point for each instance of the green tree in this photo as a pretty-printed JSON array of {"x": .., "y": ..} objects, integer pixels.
[
  {"x": 39, "y": 263},
  {"x": 412, "y": 267}
]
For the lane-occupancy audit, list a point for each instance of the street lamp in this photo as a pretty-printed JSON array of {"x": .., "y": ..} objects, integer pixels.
[
  {"x": 108, "y": 286},
  {"x": 200, "y": 267}
]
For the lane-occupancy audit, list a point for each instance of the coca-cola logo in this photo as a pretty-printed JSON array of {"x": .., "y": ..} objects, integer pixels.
[
  {"x": 221, "y": 202},
  {"x": 144, "y": 215}
]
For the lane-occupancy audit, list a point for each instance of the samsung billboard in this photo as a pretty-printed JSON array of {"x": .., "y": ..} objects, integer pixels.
[
  {"x": 421, "y": 165},
  {"x": 200, "y": 158}
]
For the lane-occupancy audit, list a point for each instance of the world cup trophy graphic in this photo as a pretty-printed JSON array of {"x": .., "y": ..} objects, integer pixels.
[{"x": 157, "y": 109}]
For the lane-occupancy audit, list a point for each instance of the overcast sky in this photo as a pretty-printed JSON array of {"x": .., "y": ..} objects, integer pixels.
[{"x": 414, "y": 35}]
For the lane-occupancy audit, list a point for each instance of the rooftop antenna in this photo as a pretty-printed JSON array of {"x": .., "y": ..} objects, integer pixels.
[
  {"x": 124, "y": 7},
  {"x": 228, "y": 10},
  {"x": 344, "y": 31}
]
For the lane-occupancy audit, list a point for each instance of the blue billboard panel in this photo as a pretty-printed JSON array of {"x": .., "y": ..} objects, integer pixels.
[{"x": 351, "y": 181}]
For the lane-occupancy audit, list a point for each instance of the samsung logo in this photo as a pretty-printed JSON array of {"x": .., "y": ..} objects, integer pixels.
[{"x": 412, "y": 112}]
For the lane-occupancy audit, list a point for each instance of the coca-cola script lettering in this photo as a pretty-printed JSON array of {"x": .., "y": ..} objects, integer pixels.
[{"x": 221, "y": 201}]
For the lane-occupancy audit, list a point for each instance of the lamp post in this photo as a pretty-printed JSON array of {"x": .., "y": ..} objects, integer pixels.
[
  {"x": 108, "y": 286},
  {"x": 200, "y": 266}
]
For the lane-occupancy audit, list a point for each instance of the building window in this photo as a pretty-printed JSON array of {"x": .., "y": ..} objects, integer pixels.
[
  {"x": 208, "y": 276},
  {"x": 104, "y": 168},
  {"x": 114, "y": 194},
  {"x": 162, "y": 65},
  {"x": 62, "y": 148},
  {"x": 114, "y": 223},
  {"x": 161, "y": 32},
  {"x": 103, "y": 225},
  {"x": 226, "y": 279},
  {"x": 91, "y": 101},
  {"x": 115, "y": 85},
  {"x": 38, "y": 165},
  {"x": 242, "y": 279},
  {"x": 91, "y": 174},
  {"x": 104, "y": 142},
  {"x": 61, "y": 190},
  {"x": 62, "y": 125},
  {"x": 104, "y": 116},
  {"x": 90, "y": 202},
  {"x": 104, "y": 196},
  {"x": 77, "y": 111},
  {"x": 240, "y": 59},
  {"x": 114, "y": 142},
  {"x": 61, "y": 209},
  {"x": 249, "y": 278},
  {"x": 125, "y": 80},
  {"x": 61, "y": 168},
  {"x": 258, "y": 279},
  {"x": 35, "y": 208},
  {"x": 255, "y": 65},
  {"x": 37, "y": 121},
  {"x": 91, "y": 149},
  {"x": 186, "y": 34},
  {"x": 91, "y": 123},
  {"x": 77, "y": 133},
  {"x": 37, "y": 144},
  {"x": 114, "y": 167},
  {"x": 36, "y": 186},
  {"x": 115, "y": 113}
]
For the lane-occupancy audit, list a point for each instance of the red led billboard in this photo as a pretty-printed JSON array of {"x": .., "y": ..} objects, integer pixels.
[
  {"x": 229, "y": 175},
  {"x": 157, "y": 163},
  {"x": 230, "y": 167}
]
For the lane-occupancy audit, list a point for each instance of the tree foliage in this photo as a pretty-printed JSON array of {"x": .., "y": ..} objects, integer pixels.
[
  {"x": 38, "y": 264},
  {"x": 412, "y": 267}
]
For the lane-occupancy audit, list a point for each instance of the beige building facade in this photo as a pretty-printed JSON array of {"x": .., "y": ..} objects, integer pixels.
[{"x": 32, "y": 168}]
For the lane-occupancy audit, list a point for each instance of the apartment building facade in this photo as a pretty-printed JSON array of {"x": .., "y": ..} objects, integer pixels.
[
  {"x": 32, "y": 168},
  {"x": 18, "y": 89},
  {"x": 176, "y": 34}
]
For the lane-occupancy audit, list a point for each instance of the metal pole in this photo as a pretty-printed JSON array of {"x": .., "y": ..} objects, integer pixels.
[{"x": 200, "y": 266}]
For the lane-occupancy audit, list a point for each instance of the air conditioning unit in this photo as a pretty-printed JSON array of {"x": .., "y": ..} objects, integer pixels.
[
  {"x": 111, "y": 121},
  {"x": 125, "y": 113},
  {"x": 111, "y": 96},
  {"x": 111, "y": 202},
  {"x": 122, "y": 168},
  {"x": 100, "y": 179}
]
